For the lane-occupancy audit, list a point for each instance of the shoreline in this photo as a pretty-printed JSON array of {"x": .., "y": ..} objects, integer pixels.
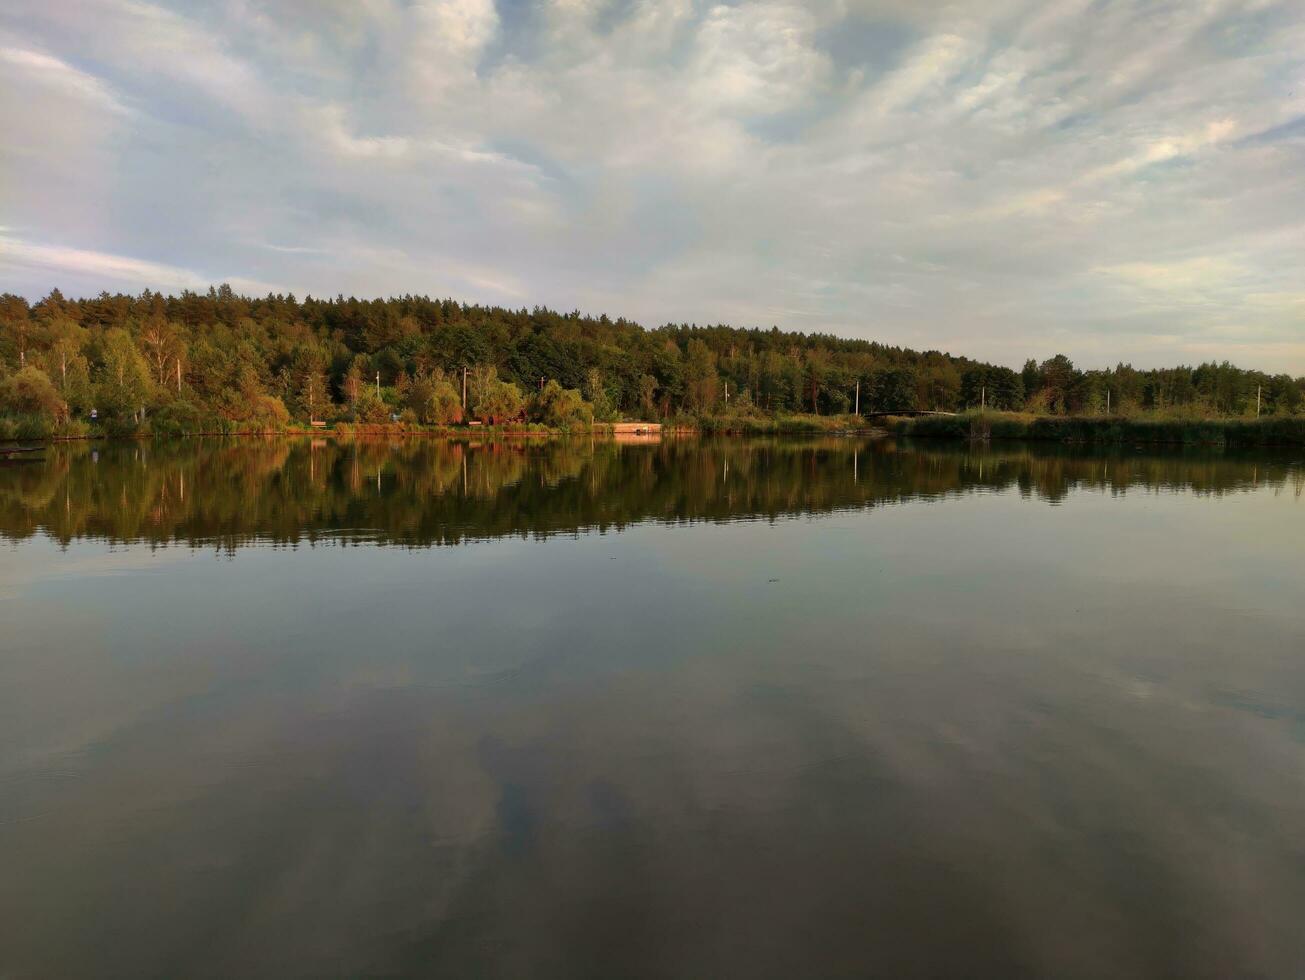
[{"x": 1275, "y": 431}]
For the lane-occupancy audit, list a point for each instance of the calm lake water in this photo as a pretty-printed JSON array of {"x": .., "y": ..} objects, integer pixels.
[{"x": 828, "y": 708}]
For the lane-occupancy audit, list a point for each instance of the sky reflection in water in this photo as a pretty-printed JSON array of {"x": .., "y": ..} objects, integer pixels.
[{"x": 820, "y": 708}]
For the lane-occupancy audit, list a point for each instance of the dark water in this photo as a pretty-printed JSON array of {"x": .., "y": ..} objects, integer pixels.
[{"x": 744, "y": 709}]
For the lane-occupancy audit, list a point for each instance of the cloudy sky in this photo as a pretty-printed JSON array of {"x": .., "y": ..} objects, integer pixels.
[{"x": 1115, "y": 179}]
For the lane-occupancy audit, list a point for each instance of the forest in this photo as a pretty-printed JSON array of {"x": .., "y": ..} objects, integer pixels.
[{"x": 222, "y": 362}]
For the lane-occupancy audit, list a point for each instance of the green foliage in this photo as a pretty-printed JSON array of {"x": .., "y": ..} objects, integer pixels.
[
  {"x": 355, "y": 380},
  {"x": 892, "y": 390},
  {"x": 752, "y": 424},
  {"x": 433, "y": 400},
  {"x": 182, "y": 418},
  {"x": 244, "y": 363},
  {"x": 124, "y": 381},
  {"x": 492, "y": 400},
  {"x": 701, "y": 383},
  {"x": 30, "y": 392},
  {"x": 996, "y": 388},
  {"x": 603, "y": 405},
  {"x": 561, "y": 408},
  {"x": 369, "y": 407},
  {"x": 308, "y": 384},
  {"x": 648, "y": 387},
  {"x": 19, "y": 427},
  {"x": 67, "y": 367}
]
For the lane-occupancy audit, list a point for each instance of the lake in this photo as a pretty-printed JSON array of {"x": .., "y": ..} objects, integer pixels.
[{"x": 749, "y": 708}]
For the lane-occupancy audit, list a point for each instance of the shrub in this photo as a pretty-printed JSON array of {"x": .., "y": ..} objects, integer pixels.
[
  {"x": 494, "y": 401},
  {"x": 21, "y": 427},
  {"x": 180, "y": 418},
  {"x": 433, "y": 400},
  {"x": 30, "y": 392},
  {"x": 562, "y": 408}
]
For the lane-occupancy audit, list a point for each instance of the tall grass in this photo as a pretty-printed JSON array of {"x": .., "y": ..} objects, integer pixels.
[
  {"x": 1106, "y": 430},
  {"x": 32, "y": 428},
  {"x": 760, "y": 425}
]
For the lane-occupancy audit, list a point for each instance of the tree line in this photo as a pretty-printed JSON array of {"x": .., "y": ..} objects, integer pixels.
[{"x": 219, "y": 361}]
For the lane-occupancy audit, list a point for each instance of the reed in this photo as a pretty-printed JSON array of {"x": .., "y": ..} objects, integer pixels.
[{"x": 1108, "y": 430}]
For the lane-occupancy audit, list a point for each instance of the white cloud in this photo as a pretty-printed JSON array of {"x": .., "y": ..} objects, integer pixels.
[
  {"x": 757, "y": 58},
  {"x": 62, "y": 76},
  {"x": 1000, "y": 178},
  {"x": 18, "y": 256},
  {"x": 1167, "y": 148},
  {"x": 446, "y": 38},
  {"x": 159, "y": 54},
  {"x": 925, "y": 73}
]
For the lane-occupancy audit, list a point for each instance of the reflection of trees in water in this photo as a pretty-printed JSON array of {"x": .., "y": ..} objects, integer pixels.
[{"x": 425, "y": 491}]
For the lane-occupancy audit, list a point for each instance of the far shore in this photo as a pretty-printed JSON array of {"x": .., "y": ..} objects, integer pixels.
[{"x": 969, "y": 426}]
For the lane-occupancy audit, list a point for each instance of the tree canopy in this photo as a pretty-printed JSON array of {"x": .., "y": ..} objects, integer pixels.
[{"x": 218, "y": 357}]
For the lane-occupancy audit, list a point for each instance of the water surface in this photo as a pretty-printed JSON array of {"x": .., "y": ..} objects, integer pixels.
[{"x": 730, "y": 709}]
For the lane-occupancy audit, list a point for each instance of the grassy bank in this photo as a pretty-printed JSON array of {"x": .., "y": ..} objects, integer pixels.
[
  {"x": 1082, "y": 430},
  {"x": 768, "y": 425},
  {"x": 1102, "y": 430},
  {"x": 33, "y": 429},
  {"x": 447, "y": 431}
]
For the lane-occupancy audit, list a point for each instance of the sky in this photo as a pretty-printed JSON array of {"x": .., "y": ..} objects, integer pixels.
[{"x": 1111, "y": 179}]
